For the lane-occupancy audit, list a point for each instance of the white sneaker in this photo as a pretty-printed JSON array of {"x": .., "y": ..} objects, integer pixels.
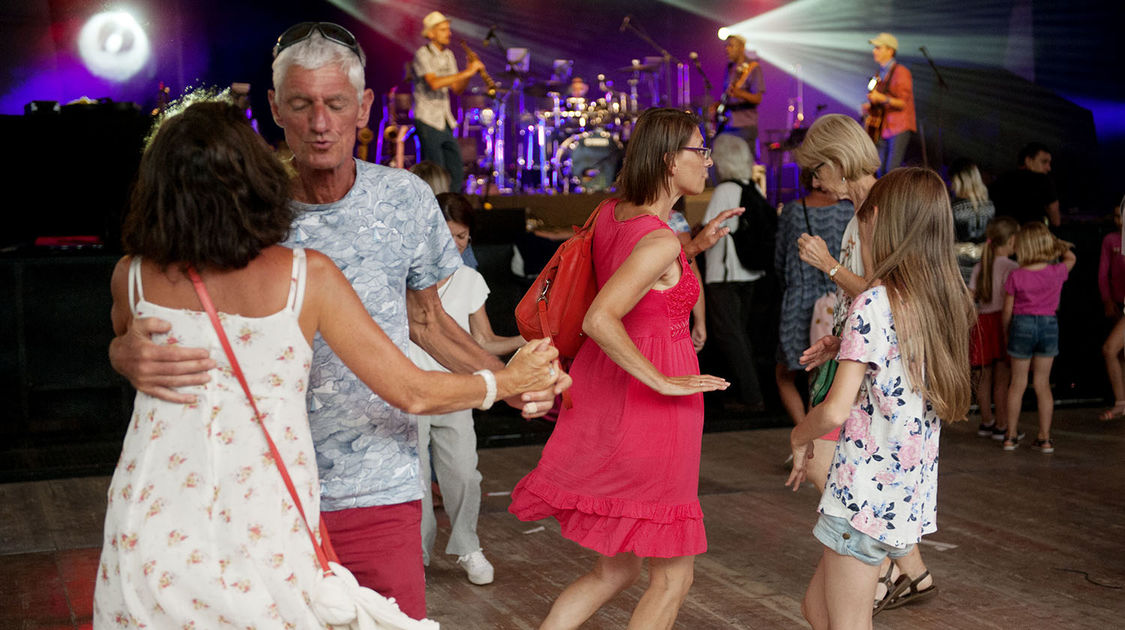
[{"x": 477, "y": 567}]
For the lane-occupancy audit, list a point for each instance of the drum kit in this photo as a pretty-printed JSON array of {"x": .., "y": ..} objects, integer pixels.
[
  {"x": 559, "y": 135},
  {"x": 568, "y": 136}
]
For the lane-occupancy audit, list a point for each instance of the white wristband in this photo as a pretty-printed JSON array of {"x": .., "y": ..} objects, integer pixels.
[{"x": 489, "y": 386}]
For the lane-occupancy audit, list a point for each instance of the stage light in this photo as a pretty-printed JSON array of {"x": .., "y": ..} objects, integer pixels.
[
  {"x": 724, "y": 32},
  {"x": 824, "y": 38},
  {"x": 113, "y": 45}
]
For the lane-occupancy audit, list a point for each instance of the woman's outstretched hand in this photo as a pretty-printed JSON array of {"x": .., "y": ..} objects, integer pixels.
[
  {"x": 802, "y": 453},
  {"x": 711, "y": 233},
  {"x": 692, "y": 384},
  {"x": 820, "y": 352}
]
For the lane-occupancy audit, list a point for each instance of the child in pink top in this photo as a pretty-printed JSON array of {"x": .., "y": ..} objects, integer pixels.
[
  {"x": 987, "y": 341},
  {"x": 1031, "y": 326},
  {"x": 1111, "y": 285}
]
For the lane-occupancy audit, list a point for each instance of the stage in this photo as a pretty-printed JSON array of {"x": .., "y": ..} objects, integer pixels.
[{"x": 1025, "y": 540}]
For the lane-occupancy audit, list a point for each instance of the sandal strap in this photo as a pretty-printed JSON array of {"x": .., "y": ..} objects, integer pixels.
[{"x": 914, "y": 583}]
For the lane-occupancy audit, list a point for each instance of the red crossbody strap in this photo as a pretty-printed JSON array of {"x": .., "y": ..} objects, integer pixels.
[{"x": 325, "y": 553}]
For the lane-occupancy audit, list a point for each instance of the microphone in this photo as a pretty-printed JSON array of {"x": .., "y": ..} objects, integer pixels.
[
  {"x": 923, "y": 49},
  {"x": 490, "y": 35},
  {"x": 624, "y": 24},
  {"x": 699, "y": 67}
]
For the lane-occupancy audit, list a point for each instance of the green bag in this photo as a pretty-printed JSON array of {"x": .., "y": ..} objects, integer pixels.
[{"x": 822, "y": 382}]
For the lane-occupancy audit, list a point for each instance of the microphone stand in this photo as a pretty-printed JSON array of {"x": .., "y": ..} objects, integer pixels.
[
  {"x": 699, "y": 68},
  {"x": 663, "y": 53},
  {"x": 498, "y": 169},
  {"x": 943, "y": 87}
]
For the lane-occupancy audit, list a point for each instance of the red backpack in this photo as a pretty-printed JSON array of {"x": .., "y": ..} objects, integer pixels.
[{"x": 557, "y": 301}]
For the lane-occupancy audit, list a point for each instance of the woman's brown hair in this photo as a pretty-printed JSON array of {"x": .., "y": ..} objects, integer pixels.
[
  {"x": 912, "y": 251},
  {"x": 456, "y": 207},
  {"x": 209, "y": 192},
  {"x": 660, "y": 133}
]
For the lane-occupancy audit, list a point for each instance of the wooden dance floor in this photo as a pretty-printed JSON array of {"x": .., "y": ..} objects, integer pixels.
[{"x": 1025, "y": 541}]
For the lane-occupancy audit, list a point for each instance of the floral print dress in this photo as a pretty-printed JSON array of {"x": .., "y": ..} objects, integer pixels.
[
  {"x": 200, "y": 532},
  {"x": 883, "y": 477}
]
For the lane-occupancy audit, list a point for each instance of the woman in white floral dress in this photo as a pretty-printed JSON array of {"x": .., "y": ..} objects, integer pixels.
[
  {"x": 897, "y": 378},
  {"x": 200, "y": 531}
]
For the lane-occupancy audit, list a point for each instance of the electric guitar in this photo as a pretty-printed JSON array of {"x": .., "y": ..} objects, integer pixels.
[{"x": 721, "y": 115}]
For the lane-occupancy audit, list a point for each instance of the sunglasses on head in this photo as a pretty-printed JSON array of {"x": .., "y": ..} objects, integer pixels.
[{"x": 332, "y": 32}]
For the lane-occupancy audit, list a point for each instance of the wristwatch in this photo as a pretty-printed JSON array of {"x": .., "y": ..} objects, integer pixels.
[{"x": 832, "y": 271}]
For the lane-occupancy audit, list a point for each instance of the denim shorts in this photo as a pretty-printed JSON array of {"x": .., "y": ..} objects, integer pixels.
[
  {"x": 838, "y": 535},
  {"x": 1033, "y": 336}
]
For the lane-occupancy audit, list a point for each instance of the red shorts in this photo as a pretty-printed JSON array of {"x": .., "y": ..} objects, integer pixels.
[
  {"x": 382, "y": 547},
  {"x": 986, "y": 340}
]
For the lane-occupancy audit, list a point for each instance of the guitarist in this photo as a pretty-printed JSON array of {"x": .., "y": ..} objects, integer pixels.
[
  {"x": 890, "y": 106},
  {"x": 435, "y": 74},
  {"x": 743, "y": 88}
]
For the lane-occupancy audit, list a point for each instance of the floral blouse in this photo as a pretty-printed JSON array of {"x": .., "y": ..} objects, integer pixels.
[{"x": 883, "y": 477}]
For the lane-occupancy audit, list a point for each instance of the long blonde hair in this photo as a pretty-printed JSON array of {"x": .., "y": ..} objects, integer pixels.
[
  {"x": 997, "y": 233},
  {"x": 967, "y": 184},
  {"x": 912, "y": 251}
]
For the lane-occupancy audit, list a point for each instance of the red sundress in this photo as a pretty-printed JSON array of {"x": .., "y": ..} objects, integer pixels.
[{"x": 621, "y": 469}]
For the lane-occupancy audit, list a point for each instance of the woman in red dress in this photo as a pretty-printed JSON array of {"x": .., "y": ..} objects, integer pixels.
[{"x": 621, "y": 470}]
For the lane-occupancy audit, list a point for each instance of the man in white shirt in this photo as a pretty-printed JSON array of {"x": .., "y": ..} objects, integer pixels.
[{"x": 435, "y": 74}]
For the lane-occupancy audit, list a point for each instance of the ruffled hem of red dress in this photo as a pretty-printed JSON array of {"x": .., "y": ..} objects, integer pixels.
[{"x": 611, "y": 526}]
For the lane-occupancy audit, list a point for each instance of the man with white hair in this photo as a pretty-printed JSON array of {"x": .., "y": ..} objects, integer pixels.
[
  {"x": 435, "y": 74},
  {"x": 383, "y": 228}
]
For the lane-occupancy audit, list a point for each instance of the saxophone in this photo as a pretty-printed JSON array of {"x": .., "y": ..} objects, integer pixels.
[{"x": 470, "y": 57}]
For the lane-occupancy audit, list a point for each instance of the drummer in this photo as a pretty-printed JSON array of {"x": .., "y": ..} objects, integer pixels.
[{"x": 578, "y": 88}]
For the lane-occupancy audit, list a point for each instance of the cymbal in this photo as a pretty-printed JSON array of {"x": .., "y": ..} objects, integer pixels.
[
  {"x": 540, "y": 89},
  {"x": 652, "y": 67}
]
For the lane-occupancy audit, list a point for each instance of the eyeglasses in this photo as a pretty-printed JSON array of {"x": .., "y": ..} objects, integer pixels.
[
  {"x": 704, "y": 152},
  {"x": 817, "y": 175},
  {"x": 332, "y": 32}
]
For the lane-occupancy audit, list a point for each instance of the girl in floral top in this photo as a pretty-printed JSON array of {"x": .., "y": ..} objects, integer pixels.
[{"x": 897, "y": 378}]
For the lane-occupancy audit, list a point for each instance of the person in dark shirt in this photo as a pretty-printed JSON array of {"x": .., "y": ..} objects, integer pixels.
[{"x": 1028, "y": 193}]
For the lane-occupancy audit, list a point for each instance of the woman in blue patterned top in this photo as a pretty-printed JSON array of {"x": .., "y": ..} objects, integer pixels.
[{"x": 819, "y": 214}]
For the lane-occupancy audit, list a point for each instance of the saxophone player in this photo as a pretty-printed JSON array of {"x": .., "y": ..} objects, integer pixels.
[{"x": 435, "y": 74}]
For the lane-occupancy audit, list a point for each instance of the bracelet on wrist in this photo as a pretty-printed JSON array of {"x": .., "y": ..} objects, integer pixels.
[{"x": 489, "y": 388}]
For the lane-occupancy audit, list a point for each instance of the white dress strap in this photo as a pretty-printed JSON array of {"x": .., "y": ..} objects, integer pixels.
[
  {"x": 138, "y": 294},
  {"x": 297, "y": 281}
]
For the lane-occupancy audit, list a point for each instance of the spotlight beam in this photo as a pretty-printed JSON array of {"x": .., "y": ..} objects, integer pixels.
[{"x": 827, "y": 39}]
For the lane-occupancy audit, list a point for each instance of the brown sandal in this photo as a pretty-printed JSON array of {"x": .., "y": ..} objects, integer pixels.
[
  {"x": 913, "y": 594},
  {"x": 894, "y": 591}
]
